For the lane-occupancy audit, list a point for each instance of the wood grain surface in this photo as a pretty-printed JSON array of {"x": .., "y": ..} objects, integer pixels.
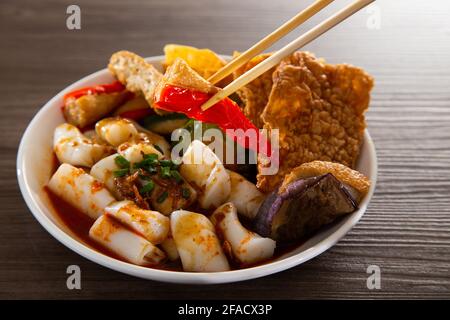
[{"x": 405, "y": 231}]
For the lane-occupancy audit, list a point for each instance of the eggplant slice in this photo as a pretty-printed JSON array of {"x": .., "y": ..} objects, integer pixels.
[{"x": 302, "y": 208}]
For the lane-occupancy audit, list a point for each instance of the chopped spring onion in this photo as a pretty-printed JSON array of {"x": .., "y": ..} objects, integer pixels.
[
  {"x": 144, "y": 177},
  {"x": 185, "y": 193},
  {"x": 166, "y": 163},
  {"x": 149, "y": 163},
  {"x": 147, "y": 188},
  {"x": 176, "y": 176},
  {"x": 121, "y": 172},
  {"x": 162, "y": 197},
  {"x": 165, "y": 172},
  {"x": 151, "y": 158},
  {"x": 122, "y": 162}
]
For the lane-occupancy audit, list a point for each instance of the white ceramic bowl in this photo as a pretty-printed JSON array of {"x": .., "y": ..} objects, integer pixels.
[{"x": 34, "y": 165}]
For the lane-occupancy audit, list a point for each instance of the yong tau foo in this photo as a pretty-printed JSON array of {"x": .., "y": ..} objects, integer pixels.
[{"x": 119, "y": 187}]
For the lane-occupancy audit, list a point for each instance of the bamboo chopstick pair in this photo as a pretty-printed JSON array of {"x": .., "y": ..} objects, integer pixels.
[{"x": 276, "y": 58}]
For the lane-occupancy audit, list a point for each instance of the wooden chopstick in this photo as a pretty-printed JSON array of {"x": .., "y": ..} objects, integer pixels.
[
  {"x": 276, "y": 58},
  {"x": 265, "y": 43}
]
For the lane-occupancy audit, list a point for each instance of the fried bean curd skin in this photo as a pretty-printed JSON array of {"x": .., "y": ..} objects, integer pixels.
[
  {"x": 319, "y": 111},
  {"x": 139, "y": 76},
  {"x": 255, "y": 95}
]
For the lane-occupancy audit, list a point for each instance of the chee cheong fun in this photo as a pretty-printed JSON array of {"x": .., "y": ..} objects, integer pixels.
[{"x": 131, "y": 194}]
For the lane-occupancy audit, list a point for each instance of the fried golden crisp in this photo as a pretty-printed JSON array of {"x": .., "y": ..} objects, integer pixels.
[
  {"x": 255, "y": 94},
  {"x": 319, "y": 111},
  {"x": 348, "y": 176},
  {"x": 204, "y": 61}
]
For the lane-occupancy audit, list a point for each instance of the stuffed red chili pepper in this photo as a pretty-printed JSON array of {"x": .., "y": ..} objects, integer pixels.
[{"x": 182, "y": 90}]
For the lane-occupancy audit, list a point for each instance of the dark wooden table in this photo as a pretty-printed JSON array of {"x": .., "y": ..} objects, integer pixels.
[{"x": 406, "y": 230}]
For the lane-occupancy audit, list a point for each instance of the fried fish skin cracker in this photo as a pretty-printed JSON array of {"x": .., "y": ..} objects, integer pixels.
[
  {"x": 255, "y": 94},
  {"x": 319, "y": 111},
  {"x": 348, "y": 176},
  {"x": 204, "y": 61}
]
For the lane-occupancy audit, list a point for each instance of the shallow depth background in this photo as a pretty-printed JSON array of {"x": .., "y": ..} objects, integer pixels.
[{"x": 406, "y": 230}]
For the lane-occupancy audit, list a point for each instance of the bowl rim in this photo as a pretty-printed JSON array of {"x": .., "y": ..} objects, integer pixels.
[{"x": 167, "y": 275}]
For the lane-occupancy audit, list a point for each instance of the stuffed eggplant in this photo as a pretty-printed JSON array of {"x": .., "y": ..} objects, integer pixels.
[{"x": 302, "y": 207}]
